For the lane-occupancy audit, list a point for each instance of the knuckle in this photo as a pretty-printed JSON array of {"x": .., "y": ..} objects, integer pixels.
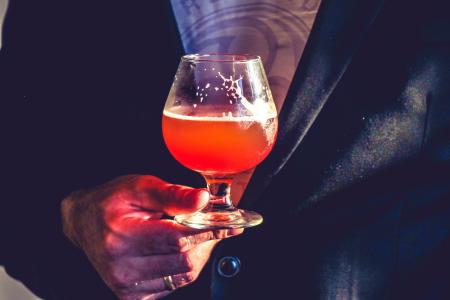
[
  {"x": 177, "y": 242},
  {"x": 149, "y": 185},
  {"x": 110, "y": 249},
  {"x": 117, "y": 274},
  {"x": 154, "y": 179},
  {"x": 121, "y": 280},
  {"x": 185, "y": 262},
  {"x": 183, "y": 243},
  {"x": 190, "y": 277},
  {"x": 113, "y": 247},
  {"x": 148, "y": 180},
  {"x": 185, "y": 278},
  {"x": 172, "y": 191},
  {"x": 117, "y": 281},
  {"x": 204, "y": 237}
]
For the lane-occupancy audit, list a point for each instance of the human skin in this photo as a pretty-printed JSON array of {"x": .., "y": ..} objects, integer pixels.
[{"x": 121, "y": 228}]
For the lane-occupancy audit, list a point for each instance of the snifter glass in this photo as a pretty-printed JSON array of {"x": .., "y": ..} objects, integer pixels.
[{"x": 220, "y": 120}]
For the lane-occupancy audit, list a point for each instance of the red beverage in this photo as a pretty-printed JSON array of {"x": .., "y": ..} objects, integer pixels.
[{"x": 223, "y": 145}]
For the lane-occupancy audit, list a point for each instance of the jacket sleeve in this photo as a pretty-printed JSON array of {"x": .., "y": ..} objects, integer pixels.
[{"x": 67, "y": 123}]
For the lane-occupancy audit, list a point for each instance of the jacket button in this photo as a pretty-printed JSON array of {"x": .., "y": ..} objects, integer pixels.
[{"x": 228, "y": 266}]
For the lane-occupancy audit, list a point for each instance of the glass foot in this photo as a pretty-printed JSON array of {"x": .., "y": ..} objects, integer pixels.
[{"x": 236, "y": 218}]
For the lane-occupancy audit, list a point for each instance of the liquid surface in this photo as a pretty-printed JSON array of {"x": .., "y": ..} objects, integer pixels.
[{"x": 219, "y": 145}]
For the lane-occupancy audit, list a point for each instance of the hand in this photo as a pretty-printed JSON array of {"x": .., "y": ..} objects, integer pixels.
[{"x": 119, "y": 227}]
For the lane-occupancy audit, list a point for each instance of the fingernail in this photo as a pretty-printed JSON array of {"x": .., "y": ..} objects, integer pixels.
[{"x": 205, "y": 192}]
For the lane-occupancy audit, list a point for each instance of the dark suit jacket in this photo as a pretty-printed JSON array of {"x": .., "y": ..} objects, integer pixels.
[{"x": 355, "y": 194}]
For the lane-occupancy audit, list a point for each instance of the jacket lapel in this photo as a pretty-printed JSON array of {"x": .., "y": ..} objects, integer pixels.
[{"x": 338, "y": 31}]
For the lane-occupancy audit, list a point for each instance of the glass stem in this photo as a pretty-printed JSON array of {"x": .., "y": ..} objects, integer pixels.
[{"x": 219, "y": 190}]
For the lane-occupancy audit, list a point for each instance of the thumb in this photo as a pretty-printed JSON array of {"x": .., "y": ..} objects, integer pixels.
[
  {"x": 173, "y": 199},
  {"x": 178, "y": 199}
]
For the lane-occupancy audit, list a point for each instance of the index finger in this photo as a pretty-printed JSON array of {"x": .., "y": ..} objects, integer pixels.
[{"x": 151, "y": 237}]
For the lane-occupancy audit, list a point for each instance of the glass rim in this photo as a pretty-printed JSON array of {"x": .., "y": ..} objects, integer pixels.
[{"x": 220, "y": 57}]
